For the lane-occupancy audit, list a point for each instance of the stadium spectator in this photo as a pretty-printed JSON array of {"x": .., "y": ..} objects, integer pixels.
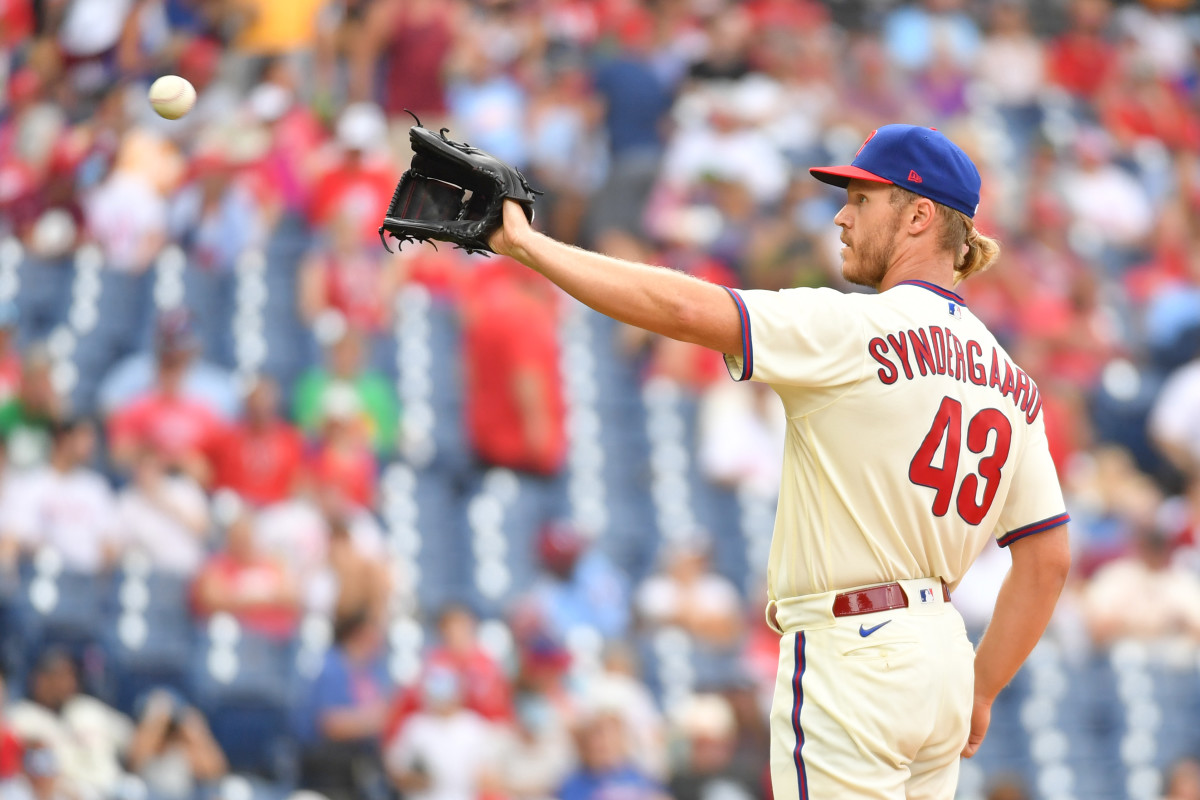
[
  {"x": 534, "y": 755},
  {"x": 127, "y": 213},
  {"x": 567, "y": 154},
  {"x": 1082, "y": 57},
  {"x": 297, "y": 534},
  {"x": 636, "y": 99},
  {"x": 377, "y": 414},
  {"x": 86, "y": 737},
  {"x": 445, "y": 751},
  {"x": 27, "y": 418},
  {"x": 605, "y": 768},
  {"x": 740, "y": 438},
  {"x": 1007, "y": 787},
  {"x": 173, "y": 750},
  {"x": 515, "y": 409},
  {"x": 216, "y": 214},
  {"x": 685, "y": 592},
  {"x": 360, "y": 178},
  {"x": 1174, "y": 422},
  {"x": 406, "y": 43},
  {"x": 342, "y": 718},
  {"x": 488, "y": 104},
  {"x": 173, "y": 369},
  {"x": 10, "y": 745},
  {"x": 62, "y": 505},
  {"x": 349, "y": 278},
  {"x": 361, "y": 582},
  {"x": 164, "y": 516},
  {"x": 707, "y": 728},
  {"x": 579, "y": 586},
  {"x": 1143, "y": 595},
  {"x": 619, "y": 685},
  {"x": 1104, "y": 199},
  {"x": 341, "y": 458},
  {"x": 259, "y": 456},
  {"x": 920, "y": 35},
  {"x": 240, "y": 579},
  {"x": 485, "y": 686}
]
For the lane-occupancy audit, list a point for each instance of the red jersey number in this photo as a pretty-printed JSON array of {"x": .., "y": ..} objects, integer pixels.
[{"x": 946, "y": 434}]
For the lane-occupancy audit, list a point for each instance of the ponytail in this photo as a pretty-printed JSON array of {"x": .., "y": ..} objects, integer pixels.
[{"x": 982, "y": 251}]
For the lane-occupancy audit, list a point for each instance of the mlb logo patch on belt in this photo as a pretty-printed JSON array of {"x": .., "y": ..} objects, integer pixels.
[{"x": 927, "y": 596}]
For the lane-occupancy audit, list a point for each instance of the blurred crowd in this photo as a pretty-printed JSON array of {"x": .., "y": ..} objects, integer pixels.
[{"x": 676, "y": 132}]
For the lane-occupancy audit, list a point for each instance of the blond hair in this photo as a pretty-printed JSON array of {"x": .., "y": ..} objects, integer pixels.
[{"x": 973, "y": 252}]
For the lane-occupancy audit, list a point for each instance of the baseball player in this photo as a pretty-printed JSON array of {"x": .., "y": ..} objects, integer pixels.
[{"x": 912, "y": 437}]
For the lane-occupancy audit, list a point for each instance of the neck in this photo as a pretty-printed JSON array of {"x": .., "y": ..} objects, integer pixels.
[{"x": 936, "y": 268}]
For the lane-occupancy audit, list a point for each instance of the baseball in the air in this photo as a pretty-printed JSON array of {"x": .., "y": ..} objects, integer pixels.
[{"x": 172, "y": 96}]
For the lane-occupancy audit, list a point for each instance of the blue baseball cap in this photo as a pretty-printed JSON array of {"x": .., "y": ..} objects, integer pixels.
[{"x": 921, "y": 160}]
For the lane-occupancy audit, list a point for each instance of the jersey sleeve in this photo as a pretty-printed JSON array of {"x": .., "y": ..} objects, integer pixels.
[
  {"x": 1035, "y": 501},
  {"x": 798, "y": 337}
]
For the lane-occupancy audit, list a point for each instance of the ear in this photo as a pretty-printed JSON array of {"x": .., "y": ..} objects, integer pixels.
[{"x": 921, "y": 215}]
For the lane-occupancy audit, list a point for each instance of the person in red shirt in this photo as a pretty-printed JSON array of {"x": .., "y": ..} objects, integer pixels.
[
  {"x": 515, "y": 407},
  {"x": 10, "y": 745},
  {"x": 1080, "y": 59},
  {"x": 342, "y": 459},
  {"x": 486, "y": 688},
  {"x": 178, "y": 428},
  {"x": 260, "y": 456},
  {"x": 240, "y": 580},
  {"x": 350, "y": 276},
  {"x": 362, "y": 179}
]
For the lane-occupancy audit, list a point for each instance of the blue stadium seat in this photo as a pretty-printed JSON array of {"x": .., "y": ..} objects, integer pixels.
[{"x": 43, "y": 296}]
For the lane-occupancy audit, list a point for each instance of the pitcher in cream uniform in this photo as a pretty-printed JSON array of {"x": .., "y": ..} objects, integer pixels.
[{"x": 911, "y": 438}]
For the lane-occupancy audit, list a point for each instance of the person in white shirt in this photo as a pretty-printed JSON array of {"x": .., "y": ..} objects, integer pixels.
[
  {"x": 62, "y": 505},
  {"x": 165, "y": 517},
  {"x": 444, "y": 752},
  {"x": 86, "y": 736}
]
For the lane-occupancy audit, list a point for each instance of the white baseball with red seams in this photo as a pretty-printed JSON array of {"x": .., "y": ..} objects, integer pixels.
[{"x": 172, "y": 96}]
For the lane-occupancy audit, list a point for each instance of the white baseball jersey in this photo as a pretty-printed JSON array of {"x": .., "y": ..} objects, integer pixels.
[{"x": 911, "y": 438}]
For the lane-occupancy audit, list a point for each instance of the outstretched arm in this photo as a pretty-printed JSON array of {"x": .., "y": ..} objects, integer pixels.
[
  {"x": 1039, "y": 569},
  {"x": 657, "y": 299}
]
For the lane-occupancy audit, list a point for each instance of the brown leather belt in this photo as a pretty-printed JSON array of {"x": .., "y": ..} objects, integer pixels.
[{"x": 876, "y": 598}]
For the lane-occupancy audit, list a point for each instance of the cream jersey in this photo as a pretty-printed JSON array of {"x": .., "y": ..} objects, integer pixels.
[{"x": 911, "y": 436}]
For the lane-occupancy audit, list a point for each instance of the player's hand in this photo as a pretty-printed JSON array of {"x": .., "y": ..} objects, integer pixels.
[
  {"x": 507, "y": 238},
  {"x": 981, "y": 717}
]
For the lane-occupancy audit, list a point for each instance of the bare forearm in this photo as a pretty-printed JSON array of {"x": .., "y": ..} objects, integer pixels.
[
  {"x": 1023, "y": 610},
  {"x": 657, "y": 299}
]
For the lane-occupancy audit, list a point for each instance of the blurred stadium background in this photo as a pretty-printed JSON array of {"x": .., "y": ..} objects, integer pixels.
[{"x": 282, "y": 512}]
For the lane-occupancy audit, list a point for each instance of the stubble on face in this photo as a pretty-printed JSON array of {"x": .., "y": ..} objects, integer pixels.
[{"x": 870, "y": 252}]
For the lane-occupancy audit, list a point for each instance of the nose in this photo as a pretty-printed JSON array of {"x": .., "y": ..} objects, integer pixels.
[{"x": 842, "y": 218}]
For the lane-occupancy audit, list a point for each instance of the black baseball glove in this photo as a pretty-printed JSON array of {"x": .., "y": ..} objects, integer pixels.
[{"x": 452, "y": 192}]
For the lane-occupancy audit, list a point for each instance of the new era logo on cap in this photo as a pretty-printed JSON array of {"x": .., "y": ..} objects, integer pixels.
[{"x": 922, "y": 160}]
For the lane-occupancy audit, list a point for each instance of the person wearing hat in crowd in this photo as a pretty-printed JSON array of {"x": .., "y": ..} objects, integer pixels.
[
  {"x": 578, "y": 585},
  {"x": 176, "y": 359},
  {"x": 879, "y": 691},
  {"x": 361, "y": 177},
  {"x": 707, "y": 731}
]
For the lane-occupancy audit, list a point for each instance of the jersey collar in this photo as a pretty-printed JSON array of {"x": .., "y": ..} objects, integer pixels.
[{"x": 933, "y": 287}]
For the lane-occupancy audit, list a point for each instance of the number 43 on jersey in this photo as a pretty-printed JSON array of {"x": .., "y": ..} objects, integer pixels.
[{"x": 947, "y": 430}]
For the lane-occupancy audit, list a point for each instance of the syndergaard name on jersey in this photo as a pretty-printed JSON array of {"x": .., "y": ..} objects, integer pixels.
[{"x": 934, "y": 350}]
